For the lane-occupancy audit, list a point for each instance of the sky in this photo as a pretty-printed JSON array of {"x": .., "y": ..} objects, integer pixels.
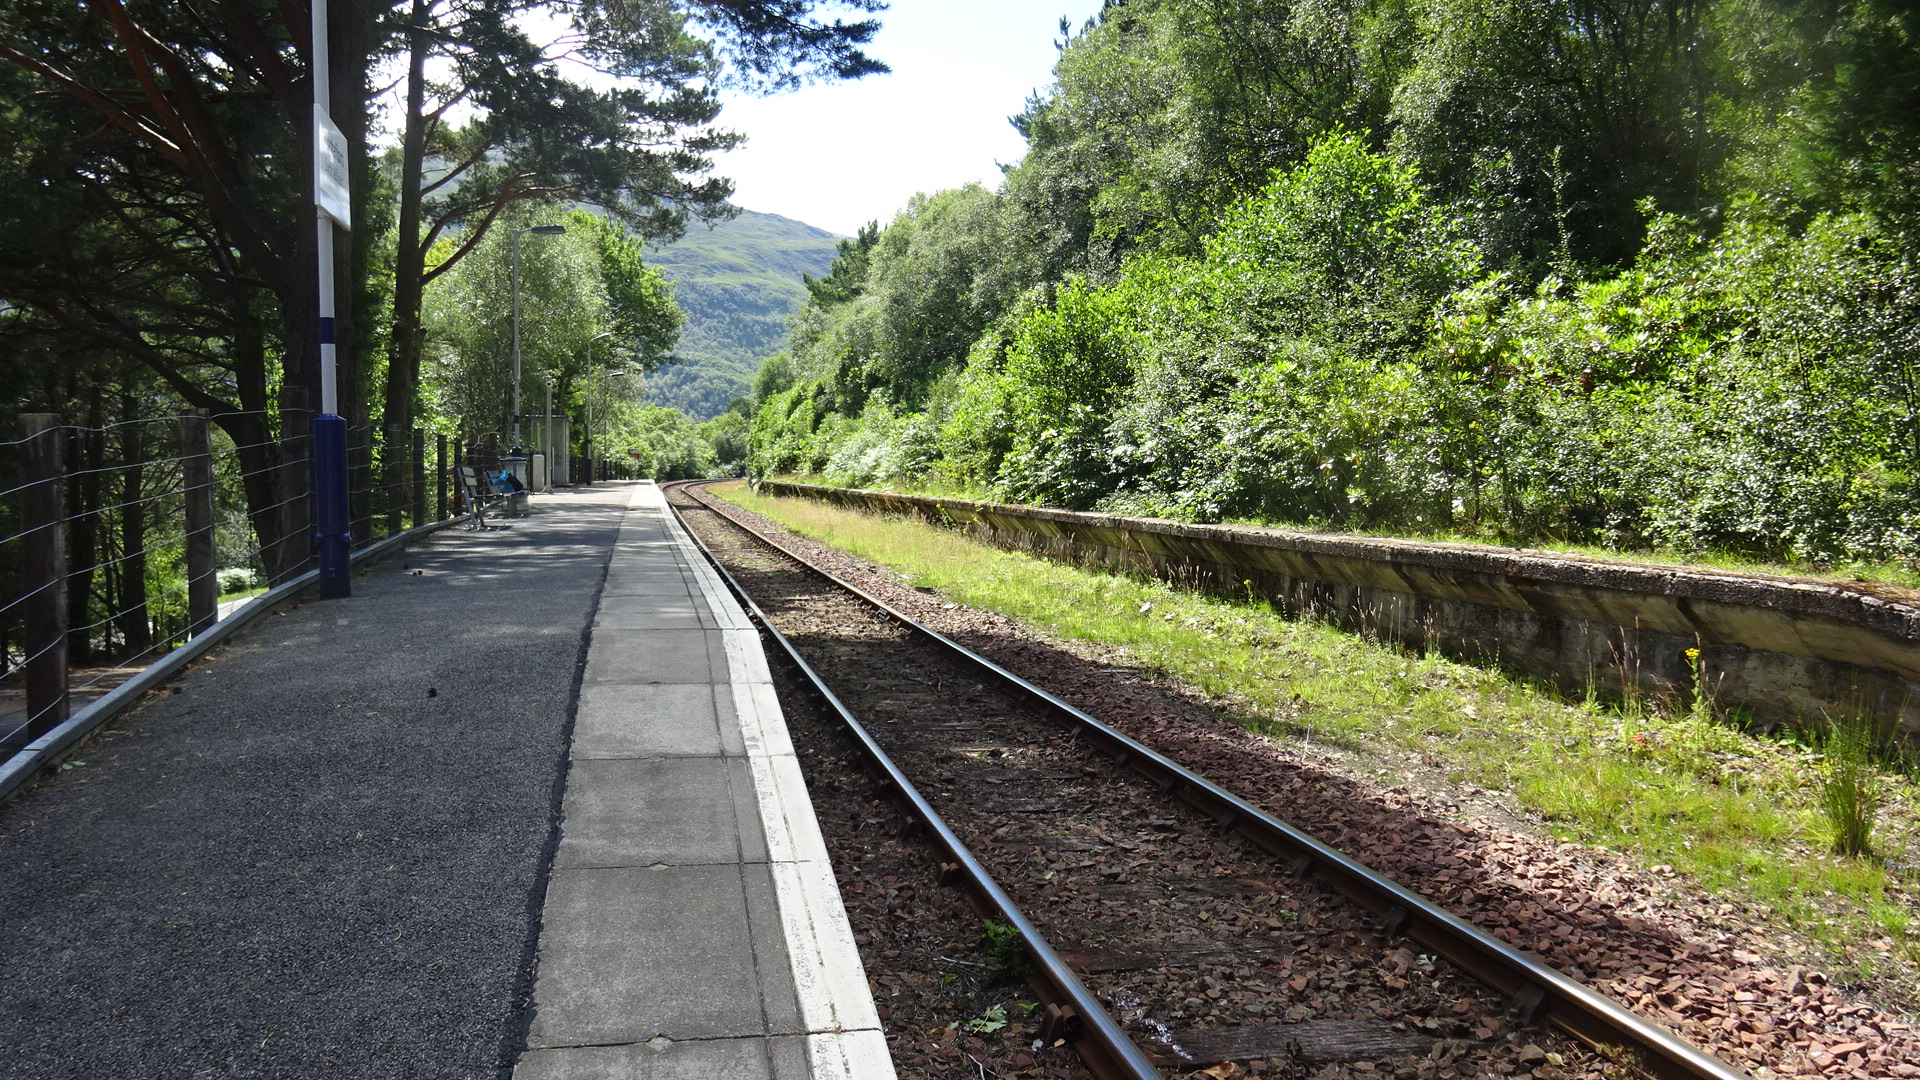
[{"x": 839, "y": 156}]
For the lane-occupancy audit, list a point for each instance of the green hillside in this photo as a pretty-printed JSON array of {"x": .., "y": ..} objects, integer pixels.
[{"x": 737, "y": 283}]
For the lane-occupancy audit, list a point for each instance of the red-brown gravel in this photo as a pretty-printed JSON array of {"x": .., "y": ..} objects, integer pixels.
[
  {"x": 1201, "y": 945},
  {"x": 1671, "y": 952}
]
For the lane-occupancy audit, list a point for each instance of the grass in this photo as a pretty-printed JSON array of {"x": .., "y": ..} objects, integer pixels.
[
  {"x": 1741, "y": 815},
  {"x": 1851, "y": 793}
]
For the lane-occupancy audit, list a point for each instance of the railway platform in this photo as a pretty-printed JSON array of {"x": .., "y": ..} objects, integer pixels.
[
  {"x": 522, "y": 806},
  {"x": 693, "y": 927}
]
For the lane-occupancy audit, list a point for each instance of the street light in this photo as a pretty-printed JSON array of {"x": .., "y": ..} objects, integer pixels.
[
  {"x": 543, "y": 230},
  {"x": 593, "y": 384},
  {"x": 590, "y": 462},
  {"x": 546, "y": 437}
]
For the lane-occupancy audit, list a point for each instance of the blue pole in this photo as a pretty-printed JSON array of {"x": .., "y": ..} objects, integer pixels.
[
  {"x": 330, "y": 505},
  {"x": 329, "y": 429}
]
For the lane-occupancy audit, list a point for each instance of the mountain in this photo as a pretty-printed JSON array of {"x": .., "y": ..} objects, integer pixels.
[{"x": 737, "y": 283}]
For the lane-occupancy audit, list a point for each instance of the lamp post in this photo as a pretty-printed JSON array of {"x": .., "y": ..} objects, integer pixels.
[
  {"x": 592, "y": 385},
  {"x": 543, "y": 230},
  {"x": 546, "y": 435},
  {"x": 590, "y": 462}
]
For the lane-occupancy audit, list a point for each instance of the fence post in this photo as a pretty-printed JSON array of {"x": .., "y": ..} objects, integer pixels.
[
  {"x": 459, "y": 493},
  {"x": 299, "y": 539},
  {"x": 440, "y": 476},
  {"x": 44, "y": 574},
  {"x": 419, "y": 459},
  {"x": 394, "y": 470},
  {"x": 203, "y": 586}
]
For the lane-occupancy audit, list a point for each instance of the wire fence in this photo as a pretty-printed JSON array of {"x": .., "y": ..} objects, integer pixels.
[{"x": 119, "y": 542}]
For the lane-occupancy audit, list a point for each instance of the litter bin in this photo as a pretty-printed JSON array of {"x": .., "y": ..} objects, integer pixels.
[{"x": 515, "y": 465}]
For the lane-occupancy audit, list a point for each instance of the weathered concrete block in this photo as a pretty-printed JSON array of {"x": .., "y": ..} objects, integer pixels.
[{"x": 1781, "y": 650}]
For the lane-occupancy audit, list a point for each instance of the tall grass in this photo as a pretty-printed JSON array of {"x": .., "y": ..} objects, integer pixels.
[{"x": 1852, "y": 792}]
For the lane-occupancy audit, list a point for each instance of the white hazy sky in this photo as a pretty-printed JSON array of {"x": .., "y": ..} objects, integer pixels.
[{"x": 839, "y": 156}]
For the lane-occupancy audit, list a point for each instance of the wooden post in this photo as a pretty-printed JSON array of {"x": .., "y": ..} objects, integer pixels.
[
  {"x": 44, "y": 574},
  {"x": 459, "y": 493},
  {"x": 440, "y": 476},
  {"x": 419, "y": 458},
  {"x": 394, "y": 469},
  {"x": 291, "y": 555},
  {"x": 203, "y": 586}
]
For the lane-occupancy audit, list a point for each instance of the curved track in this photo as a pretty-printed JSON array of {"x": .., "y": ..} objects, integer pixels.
[{"x": 1178, "y": 919}]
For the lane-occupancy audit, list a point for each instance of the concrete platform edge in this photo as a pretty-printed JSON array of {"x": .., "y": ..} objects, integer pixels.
[
  {"x": 690, "y": 846},
  {"x": 846, "y": 1040}
]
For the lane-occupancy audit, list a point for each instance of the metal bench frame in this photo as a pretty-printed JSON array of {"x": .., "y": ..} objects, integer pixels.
[{"x": 479, "y": 496}]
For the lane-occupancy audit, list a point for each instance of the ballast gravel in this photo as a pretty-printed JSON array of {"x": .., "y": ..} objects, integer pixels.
[{"x": 1670, "y": 952}]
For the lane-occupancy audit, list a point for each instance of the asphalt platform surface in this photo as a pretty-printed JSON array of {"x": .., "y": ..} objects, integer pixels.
[{"x": 323, "y": 853}]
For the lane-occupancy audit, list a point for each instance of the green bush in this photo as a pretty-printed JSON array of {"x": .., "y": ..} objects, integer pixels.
[{"x": 1335, "y": 357}]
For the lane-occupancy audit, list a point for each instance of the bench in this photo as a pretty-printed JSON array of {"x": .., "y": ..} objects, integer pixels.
[{"x": 482, "y": 494}]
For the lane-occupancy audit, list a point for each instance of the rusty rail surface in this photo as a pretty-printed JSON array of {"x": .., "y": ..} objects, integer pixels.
[{"x": 1536, "y": 991}]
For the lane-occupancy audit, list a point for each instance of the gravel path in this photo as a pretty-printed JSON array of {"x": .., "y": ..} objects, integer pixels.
[{"x": 322, "y": 853}]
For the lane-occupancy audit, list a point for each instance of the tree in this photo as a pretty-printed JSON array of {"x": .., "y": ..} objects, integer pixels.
[
  {"x": 1162, "y": 114},
  {"x": 156, "y": 140},
  {"x": 638, "y": 151},
  {"x": 779, "y": 44},
  {"x": 158, "y": 148},
  {"x": 573, "y": 288},
  {"x": 847, "y": 277},
  {"x": 671, "y": 446},
  {"x": 1864, "y": 123},
  {"x": 1553, "y": 119}
]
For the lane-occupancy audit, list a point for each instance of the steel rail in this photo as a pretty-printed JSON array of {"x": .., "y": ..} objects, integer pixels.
[
  {"x": 1072, "y": 1011},
  {"x": 1535, "y": 990}
]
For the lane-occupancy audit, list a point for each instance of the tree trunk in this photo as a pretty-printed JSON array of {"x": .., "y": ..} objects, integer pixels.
[{"x": 403, "y": 356}]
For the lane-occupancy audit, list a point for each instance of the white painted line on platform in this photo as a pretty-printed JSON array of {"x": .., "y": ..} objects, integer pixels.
[
  {"x": 852, "y": 1056},
  {"x": 845, "y": 1041}
]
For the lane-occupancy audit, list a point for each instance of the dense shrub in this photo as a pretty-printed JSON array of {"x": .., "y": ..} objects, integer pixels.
[
  {"x": 1336, "y": 356},
  {"x": 1747, "y": 393}
]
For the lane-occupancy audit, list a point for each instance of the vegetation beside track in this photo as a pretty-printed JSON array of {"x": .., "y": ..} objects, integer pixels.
[{"x": 1739, "y": 814}]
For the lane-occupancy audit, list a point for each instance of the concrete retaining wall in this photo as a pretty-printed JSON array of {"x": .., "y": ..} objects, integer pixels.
[{"x": 1780, "y": 649}]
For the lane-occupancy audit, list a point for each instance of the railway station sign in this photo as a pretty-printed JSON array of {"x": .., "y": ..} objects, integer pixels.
[{"x": 330, "y": 175}]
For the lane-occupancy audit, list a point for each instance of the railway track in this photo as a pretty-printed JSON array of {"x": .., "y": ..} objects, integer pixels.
[{"x": 1169, "y": 924}]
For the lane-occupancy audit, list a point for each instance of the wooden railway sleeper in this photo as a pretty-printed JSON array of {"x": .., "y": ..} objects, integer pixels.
[{"x": 1394, "y": 923}]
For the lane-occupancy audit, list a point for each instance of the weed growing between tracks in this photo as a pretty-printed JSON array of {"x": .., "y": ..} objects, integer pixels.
[{"x": 1739, "y": 814}]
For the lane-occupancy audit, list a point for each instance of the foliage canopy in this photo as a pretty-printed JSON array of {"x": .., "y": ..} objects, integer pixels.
[{"x": 1635, "y": 274}]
